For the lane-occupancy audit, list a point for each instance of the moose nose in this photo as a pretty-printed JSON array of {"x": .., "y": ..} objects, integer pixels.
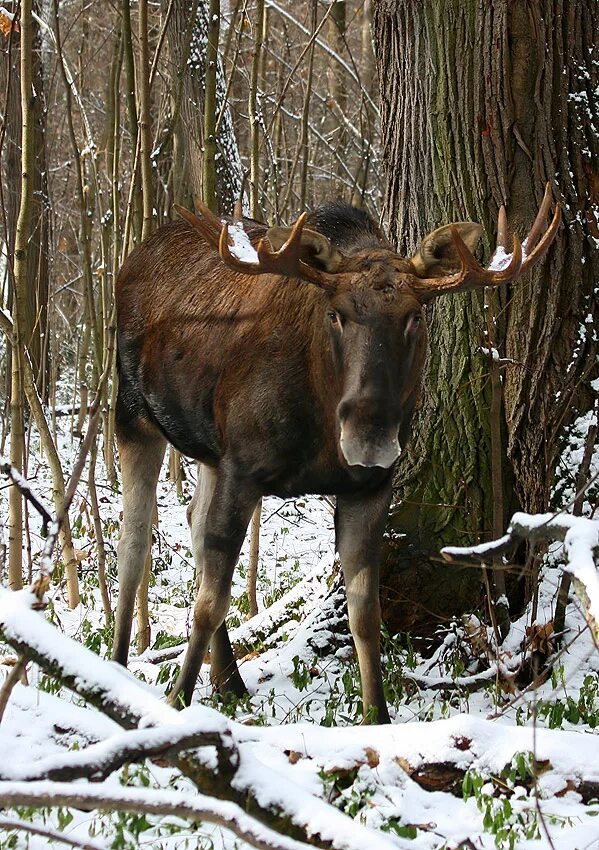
[
  {"x": 359, "y": 411},
  {"x": 369, "y": 448},
  {"x": 344, "y": 410},
  {"x": 363, "y": 440}
]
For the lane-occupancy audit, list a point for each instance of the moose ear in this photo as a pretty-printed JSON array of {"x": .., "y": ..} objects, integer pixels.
[
  {"x": 316, "y": 250},
  {"x": 437, "y": 255}
]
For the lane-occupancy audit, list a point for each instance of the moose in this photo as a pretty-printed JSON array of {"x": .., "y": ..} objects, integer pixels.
[{"x": 288, "y": 369}]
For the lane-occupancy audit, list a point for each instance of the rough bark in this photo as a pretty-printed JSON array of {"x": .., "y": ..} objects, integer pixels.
[
  {"x": 481, "y": 104},
  {"x": 187, "y": 37}
]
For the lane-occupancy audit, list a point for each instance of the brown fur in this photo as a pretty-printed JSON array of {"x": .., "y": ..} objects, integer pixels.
[{"x": 274, "y": 384}]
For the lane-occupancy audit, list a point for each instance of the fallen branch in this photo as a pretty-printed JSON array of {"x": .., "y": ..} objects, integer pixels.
[
  {"x": 446, "y": 683},
  {"x": 262, "y": 629},
  {"x": 235, "y": 777},
  {"x": 160, "y": 802},
  {"x": 97, "y": 761}
]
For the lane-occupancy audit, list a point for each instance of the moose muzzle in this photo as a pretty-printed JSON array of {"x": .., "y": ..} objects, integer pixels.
[{"x": 368, "y": 444}]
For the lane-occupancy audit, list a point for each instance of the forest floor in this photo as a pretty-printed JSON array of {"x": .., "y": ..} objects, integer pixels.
[{"x": 470, "y": 761}]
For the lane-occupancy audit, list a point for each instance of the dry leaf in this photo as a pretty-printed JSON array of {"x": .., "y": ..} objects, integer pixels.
[
  {"x": 372, "y": 757},
  {"x": 8, "y": 23},
  {"x": 538, "y": 638}
]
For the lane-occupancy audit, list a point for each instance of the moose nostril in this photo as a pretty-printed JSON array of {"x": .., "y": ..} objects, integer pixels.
[{"x": 344, "y": 409}]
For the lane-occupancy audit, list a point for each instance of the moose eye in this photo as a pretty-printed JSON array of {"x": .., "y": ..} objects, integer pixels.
[
  {"x": 414, "y": 323},
  {"x": 334, "y": 318}
]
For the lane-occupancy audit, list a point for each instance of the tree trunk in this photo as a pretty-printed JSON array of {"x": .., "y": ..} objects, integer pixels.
[
  {"x": 187, "y": 42},
  {"x": 481, "y": 104},
  {"x": 35, "y": 318}
]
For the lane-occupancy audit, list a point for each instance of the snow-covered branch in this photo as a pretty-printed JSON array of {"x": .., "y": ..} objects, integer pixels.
[
  {"x": 580, "y": 537},
  {"x": 54, "y": 835},
  {"x": 187, "y": 740},
  {"x": 149, "y": 802},
  {"x": 99, "y": 760},
  {"x": 259, "y": 782}
]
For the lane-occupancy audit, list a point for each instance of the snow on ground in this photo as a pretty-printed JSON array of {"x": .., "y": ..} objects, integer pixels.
[{"x": 298, "y": 663}]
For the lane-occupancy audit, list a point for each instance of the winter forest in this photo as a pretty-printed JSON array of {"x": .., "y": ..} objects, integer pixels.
[{"x": 299, "y": 406}]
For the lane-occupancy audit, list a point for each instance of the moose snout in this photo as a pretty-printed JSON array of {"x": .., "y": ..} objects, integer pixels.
[{"x": 365, "y": 440}]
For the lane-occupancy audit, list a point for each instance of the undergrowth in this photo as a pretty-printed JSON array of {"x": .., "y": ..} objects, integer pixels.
[{"x": 317, "y": 681}]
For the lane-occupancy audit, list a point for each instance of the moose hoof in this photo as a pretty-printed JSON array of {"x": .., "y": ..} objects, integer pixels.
[
  {"x": 180, "y": 696},
  {"x": 176, "y": 699},
  {"x": 231, "y": 685}
]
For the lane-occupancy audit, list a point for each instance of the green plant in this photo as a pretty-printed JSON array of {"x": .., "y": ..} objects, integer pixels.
[
  {"x": 167, "y": 674},
  {"x": 164, "y": 640},
  {"x": 401, "y": 829},
  {"x": 508, "y": 816},
  {"x": 97, "y": 638},
  {"x": 302, "y": 673},
  {"x": 555, "y": 712}
]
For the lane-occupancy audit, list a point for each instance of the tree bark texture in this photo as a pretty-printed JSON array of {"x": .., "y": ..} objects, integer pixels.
[
  {"x": 187, "y": 42},
  {"x": 482, "y": 102}
]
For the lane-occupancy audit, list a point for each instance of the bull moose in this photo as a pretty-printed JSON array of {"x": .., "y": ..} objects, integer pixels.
[{"x": 294, "y": 371}]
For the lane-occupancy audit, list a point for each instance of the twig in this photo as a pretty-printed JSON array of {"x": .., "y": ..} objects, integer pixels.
[
  {"x": 537, "y": 795},
  {"x": 11, "y": 680},
  {"x": 23, "y": 486},
  {"x": 42, "y": 580},
  {"x": 46, "y": 832}
]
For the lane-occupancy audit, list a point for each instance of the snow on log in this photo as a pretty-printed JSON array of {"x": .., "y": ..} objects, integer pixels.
[
  {"x": 271, "y": 797},
  {"x": 270, "y": 776}
]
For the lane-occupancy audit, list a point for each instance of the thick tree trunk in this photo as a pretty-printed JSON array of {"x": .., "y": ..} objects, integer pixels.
[
  {"x": 482, "y": 103},
  {"x": 187, "y": 41}
]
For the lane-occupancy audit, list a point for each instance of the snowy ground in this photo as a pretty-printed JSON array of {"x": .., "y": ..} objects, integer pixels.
[{"x": 298, "y": 664}]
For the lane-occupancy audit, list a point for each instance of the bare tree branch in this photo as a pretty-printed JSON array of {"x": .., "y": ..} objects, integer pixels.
[{"x": 11, "y": 680}]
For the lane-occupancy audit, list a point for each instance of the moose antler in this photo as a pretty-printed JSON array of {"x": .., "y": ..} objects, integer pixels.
[
  {"x": 474, "y": 276},
  {"x": 286, "y": 261}
]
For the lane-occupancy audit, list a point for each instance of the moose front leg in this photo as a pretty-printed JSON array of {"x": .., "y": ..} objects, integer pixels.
[
  {"x": 359, "y": 525},
  {"x": 226, "y": 522}
]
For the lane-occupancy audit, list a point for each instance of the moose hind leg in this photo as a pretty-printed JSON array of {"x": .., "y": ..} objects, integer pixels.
[
  {"x": 227, "y": 520},
  {"x": 359, "y": 525},
  {"x": 223, "y": 667},
  {"x": 224, "y": 673},
  {"x": 141, "y": 459}
]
